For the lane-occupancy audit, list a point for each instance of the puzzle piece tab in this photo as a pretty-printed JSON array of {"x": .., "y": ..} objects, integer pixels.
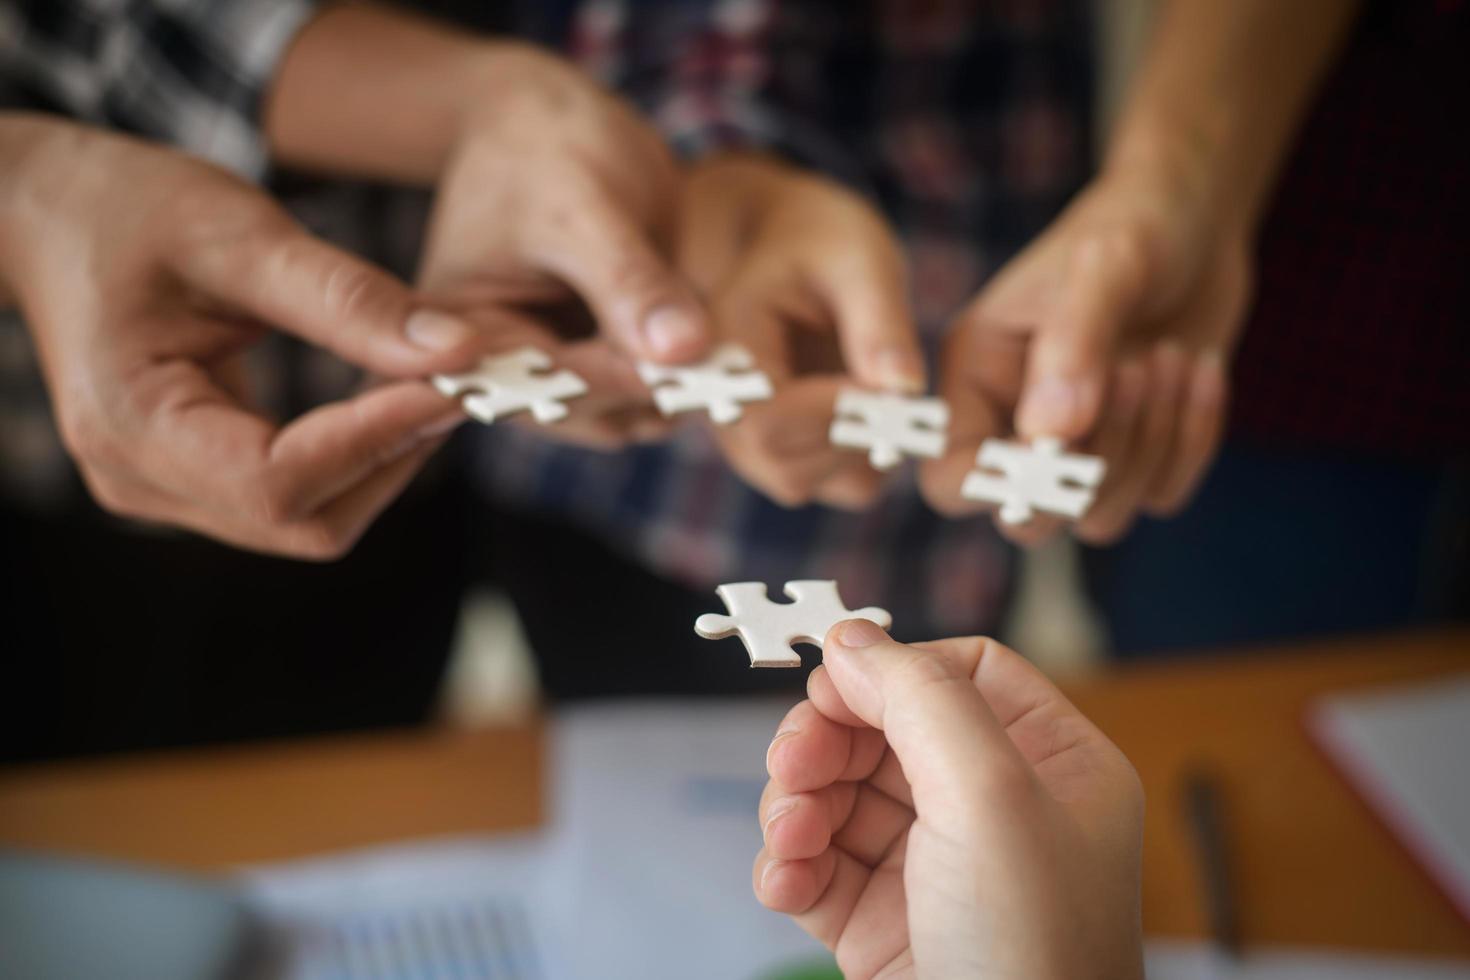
[
  {"x": 719, "y": 383},
  {"x": 768, "y": 628},
  {"x": 1038, "y": 477},
  {"x": 514, "y": 382},
  {"x": 890, "y": 426}
]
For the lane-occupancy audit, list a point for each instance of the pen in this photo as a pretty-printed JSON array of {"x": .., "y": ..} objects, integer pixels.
[{"x": 1204, "y": 814}]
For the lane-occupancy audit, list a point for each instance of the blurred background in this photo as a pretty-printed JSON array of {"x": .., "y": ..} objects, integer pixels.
[{"x": 487, "y": 742}]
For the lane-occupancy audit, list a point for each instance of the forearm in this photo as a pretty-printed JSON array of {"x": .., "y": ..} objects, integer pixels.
[
  {"x": 369, "y": 92},
  {"x": 1220, "y": 93}
]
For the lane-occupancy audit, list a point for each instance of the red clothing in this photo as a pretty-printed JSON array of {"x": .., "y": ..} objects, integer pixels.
[{"x": 1360, "y": 337}]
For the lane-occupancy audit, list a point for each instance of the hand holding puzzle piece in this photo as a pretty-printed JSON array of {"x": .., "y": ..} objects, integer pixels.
[
  {"x": 515, "y": 382},
  {"x": 768, "y": 629}
]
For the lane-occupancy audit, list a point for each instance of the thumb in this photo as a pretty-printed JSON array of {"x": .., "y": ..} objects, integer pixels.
[
  {"x": 297, "y": 283},
  {"x": 951, "y": 747},
  {"x": 642, "y": 304},
  {"x": 1071, "y": 355}
]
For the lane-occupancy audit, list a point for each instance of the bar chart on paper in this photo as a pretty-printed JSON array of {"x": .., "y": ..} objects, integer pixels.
[{"x": 488, "y": 938}]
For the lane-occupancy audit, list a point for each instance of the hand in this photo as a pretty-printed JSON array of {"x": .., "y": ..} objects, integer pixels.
[
  {"x": 1111, "y": 331},
  {"x": 807, "y": 277},
  {"x": 144, "y": 277},
  {"x": 940, "y": 810},
  {"x": 557, "y": 199}
]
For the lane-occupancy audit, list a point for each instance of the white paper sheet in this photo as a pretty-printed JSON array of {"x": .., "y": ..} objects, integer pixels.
[
  {"x": 1407, "y": 750},
  {"x": 656, "y": 833},
  {"x": 471, "y": 908}
]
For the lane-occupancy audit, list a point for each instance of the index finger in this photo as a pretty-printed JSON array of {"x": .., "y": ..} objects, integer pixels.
[
  {"x": 641, "y": 301},
  {"x": 865, "y": 286},
  {"x": 1022, "y": 702}
]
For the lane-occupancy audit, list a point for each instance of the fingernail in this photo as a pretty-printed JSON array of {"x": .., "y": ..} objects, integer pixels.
[
  {"x": 671, "y": 331},
  {"x": 437, "y": 331},
  {"x": 1050, "y": 408},
  {"x": 439, "y": 427},
  {"x": 858, "y": 633},
  {"x": 778, "y": 810},
  {"x": 899, "y": 370},
  {"x": 776, "y": 741},
  {"x": 766, "y": 871}
]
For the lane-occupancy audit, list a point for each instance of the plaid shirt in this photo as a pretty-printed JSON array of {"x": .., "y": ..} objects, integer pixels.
[
  {"x": 966, "y": 120},
  {"x": 186, "y": 72}
]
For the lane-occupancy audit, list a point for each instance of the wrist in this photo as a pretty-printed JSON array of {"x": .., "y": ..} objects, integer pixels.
[
  {"x": 1220, "y": 93},
  {"x": 504, "y": 84},
  {"x": 385, "y": 95},
  {"x": 1186, "y": 165},
  {"x": 34, "y": 148}
]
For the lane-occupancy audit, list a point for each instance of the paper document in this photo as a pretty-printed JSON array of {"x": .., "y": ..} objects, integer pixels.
[
  {"x": 643, "y": 871},
  {"x": 655, "y": 836},
  {"x": 460, "y": 908},
  {"x": 1407, "y": 752}
]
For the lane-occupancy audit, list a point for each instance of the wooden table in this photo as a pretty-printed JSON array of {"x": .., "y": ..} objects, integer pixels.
[{"x": 1311, "y": 863}]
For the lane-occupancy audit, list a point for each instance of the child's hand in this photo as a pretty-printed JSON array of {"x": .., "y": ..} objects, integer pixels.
[
  {"x": 809, "y": 278},
  {"x": 1112, "y": 332},
  {"x": 941, "y": 810}
]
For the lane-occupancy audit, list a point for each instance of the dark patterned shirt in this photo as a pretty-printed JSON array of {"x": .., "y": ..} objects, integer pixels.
[{"x": 966, "y": 120}]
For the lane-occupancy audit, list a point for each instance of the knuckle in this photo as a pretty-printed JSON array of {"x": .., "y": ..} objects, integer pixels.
[
  {"x": 945, "y": 502},
  {"x": 926, "y": 669},
  {"x": 319, "y": 541},
  {"x": 1166, "y": 502},
  {"x": 788, "y": 491},
  {"x": 351, "y": 290},
  {"x": 277, "y": 503},
  {"x": 253, "y": 244},
  {"x": 1100, "y": 533},
  {"x": 1126, "y": 253},
  {"x": 219, "y": 219},
  {"x": 81, "y": 434},
  {"x": 1006, "y": 782},
  {"x": 639, "y": 278},
  {"x": 110, "y": 495}
]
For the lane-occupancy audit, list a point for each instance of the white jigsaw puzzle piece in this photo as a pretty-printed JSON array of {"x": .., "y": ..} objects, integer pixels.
[
  {"x": 720, "y": 383},
  {"x": 1035, "y": 477},
  {"x": 890, "y": 426},
  {"x": 514, "y": 382},
  {"x": 768, "y": 628}
]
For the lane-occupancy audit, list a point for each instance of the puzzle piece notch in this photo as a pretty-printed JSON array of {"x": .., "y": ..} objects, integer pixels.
[
  {"x": 890, "y": 426},
  {"x": 719, "y": 383},
  {"x": 1038, "y": 477},
  {"x": 768, "y": 629},
  {"x": 516, "y": 382}
]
